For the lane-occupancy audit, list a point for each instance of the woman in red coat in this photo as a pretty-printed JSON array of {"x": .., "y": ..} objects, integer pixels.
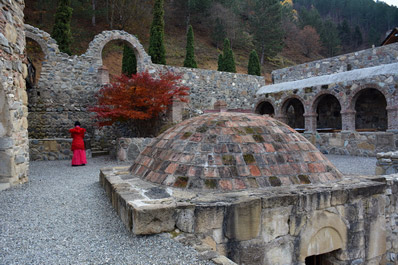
[{"x": 79, "y": 153}]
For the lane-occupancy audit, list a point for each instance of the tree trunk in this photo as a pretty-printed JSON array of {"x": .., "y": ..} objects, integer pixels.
[
  {"x": 262, "y": 55},
  {"x": 112, "y": 13},
  {"x": 93, "y": 17}
]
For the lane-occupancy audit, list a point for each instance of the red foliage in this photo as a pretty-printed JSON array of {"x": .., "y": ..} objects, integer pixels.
[{"x": 139, "y": 97}]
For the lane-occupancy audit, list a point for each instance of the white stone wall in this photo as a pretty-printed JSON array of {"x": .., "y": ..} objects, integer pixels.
[{"x": 14, "y": 157}]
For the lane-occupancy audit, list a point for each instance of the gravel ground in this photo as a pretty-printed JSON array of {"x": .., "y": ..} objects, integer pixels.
[
  {"x": 62, "y": 216},
  {"x": 354, "y": 165}
]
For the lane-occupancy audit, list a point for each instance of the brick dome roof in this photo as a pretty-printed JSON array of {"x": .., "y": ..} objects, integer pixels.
[{"x": 232, "y": 151}]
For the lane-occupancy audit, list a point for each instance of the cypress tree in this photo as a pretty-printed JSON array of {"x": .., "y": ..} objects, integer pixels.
[
  {"x": 228, "y": 58},
  {"x": 129, "y": 61},
  {"x": 156, "y": 46},
  {"x": 220, "y": 63},
  {"x": 61, "y": 30},
  {"x": 190, "y": 56},
  {"x": 253, "y": 67}
]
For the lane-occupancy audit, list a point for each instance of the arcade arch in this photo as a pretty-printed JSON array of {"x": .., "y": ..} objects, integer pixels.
[
  {"x": 370, "y": 110},
  {"x": 293, "y": 113},
  {"x": 328, "y": 108},
  {"x": 265, "y": 107}
]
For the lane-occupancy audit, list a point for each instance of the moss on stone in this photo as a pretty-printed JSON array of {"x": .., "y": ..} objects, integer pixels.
[
  {"x": 249, "y": 130},
  {"x": 274, "y": 181},
  {"x": 228, "y": 160},
  {"x": 258, "y": 138},
  {"x": 186, "y": 135},
  {"x": 239, "y": 131},
  {"x": 202, "y": 129},
  {"x": 249, "y": 159},
  {"x": 211, "y": 183},
  {"x": 304, "y": 179},
  {"x": 181, "y": 182}
]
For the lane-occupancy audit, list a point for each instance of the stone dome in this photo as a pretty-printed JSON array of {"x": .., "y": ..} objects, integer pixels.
[{"x": 232, "y": 151}]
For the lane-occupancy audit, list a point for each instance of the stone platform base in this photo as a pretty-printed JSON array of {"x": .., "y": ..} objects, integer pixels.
[{"x": 353, "y": 220}]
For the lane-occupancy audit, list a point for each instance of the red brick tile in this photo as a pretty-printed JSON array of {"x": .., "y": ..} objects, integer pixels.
[
  {"x": 197, "y": 137},
  {"x": 185, "y": 158},
  {"x": 252, "y": 183},
  {"x": 171, "y": 168},
  {"x": 275, "y": 170},
  {"x": 237, "y": 138},
  {"x": 225, "y": 184},
  {"x": 269, "y": 148},
  {"x": 239, "y": 184},
  {"x": 243, "y": 171},
  {"x": 211, "y": 172},
  {"x": 265, "y": 171},
  {"x": 254, "y": 171}
]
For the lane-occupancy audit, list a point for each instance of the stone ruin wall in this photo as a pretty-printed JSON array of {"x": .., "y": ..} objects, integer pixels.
[
  {"x": 14, "y": 159},
  {"x": 67, "y": 85},
  {"x": 346, "y": 62}
]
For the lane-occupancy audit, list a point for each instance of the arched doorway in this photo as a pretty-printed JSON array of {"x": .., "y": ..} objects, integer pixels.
[
  {"x": 371, "y": 113},
  {"x": 328, "y": 113},
  {"x": 293, "y": 109},
  {"x": 265, "y": 108},
  {"x": 114, "y": 55}
]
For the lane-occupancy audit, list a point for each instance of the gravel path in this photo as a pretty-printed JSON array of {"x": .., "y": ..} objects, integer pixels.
[
  {"x": 354, "y": 165},
  {"x": 62, "y": 216}
]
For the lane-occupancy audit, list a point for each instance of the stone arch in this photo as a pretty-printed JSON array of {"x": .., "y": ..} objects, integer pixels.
[
  {"x": 100, "y": 40},
  {"x": 48, "y": 45},
  {"x": 265, "y": 106},
  {"x": 292, "y": 111},
  {"x": 324, "y": 232},
  {"x": 370, "y": 104},
  {"x": 327, "y": 107}
]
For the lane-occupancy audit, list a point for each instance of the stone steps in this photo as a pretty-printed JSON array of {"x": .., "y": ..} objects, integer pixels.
[{"x": 96, "y": 153}]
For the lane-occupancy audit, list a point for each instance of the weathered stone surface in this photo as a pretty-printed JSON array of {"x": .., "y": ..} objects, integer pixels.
[
  {"x": 243, "y": 221},
  {"x": 377, "y": 238},
  {"x": 275, "y": 223},
  {"x": 153, "y": 218},
  {"x": 208, "y": 218}
]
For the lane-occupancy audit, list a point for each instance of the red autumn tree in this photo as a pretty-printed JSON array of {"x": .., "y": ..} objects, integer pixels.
[{"x": 137, "y": 97}]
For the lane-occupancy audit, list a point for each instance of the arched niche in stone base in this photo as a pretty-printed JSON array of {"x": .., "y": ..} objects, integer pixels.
[
  {"x": 324, "y": 232},
  {"x": 265, "y": 107},
  {"x": 98, "y": 43}
]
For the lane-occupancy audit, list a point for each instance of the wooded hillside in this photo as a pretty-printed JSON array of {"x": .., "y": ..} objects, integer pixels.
[{"x": 282, "y": 32}]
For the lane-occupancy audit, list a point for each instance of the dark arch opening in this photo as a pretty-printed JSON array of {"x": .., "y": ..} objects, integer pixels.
[
  {"x": 322, "y": 259},
  {"x": 329, "y": 116},
  {"x": 265, "y": 108},
  {"x": 112, "y": 57},
  {"x": 294, "y": 111},
  {"x": 371, "y": 112},
  {"x": 35, "y": 56}
]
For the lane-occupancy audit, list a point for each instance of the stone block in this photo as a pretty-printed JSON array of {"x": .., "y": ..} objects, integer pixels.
[
  {"x": 279, "y": 200},
  {"x": 185, "y": 219},
  {"x": 6, "y": 165},
  {"x": 6, "y": 143},
  {"x": 380, "y": 170},
  {"x": 248, "y": 252},
  {"x": 384, "y": 140},
  {"x": 243, "y": 220},
  {"x": 152, "y": 218},
  {"x": 376, "y": 245},
  {"x": 279, "y": 252},
  {"x": 336, "y": 142},
  {"x": 275, "y": 223},
  {"x": 207, "y": 218}
]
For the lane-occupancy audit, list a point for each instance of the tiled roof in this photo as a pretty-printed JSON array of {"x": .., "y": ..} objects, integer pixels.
[{"x": 232, "y": 151}]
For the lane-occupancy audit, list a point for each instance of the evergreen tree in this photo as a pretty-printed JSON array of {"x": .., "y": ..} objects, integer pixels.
[
  {"x": 61, "y": 30},
  {"x": 228, "y": 60},
  {"x": 266, "y": 23},
  {"x": 220, "y": 63},
  {"x": 357, "y": 37},
  {"x": 190, "y": 55},
  {"x": 156, "y": 46},
  {"x": 219, "y": 33},
  {"x": 344, "y": 33},
  {"x": 330, "y": 38},
  {"x": 129, "y": 61},
  {"x": 254, "y": 67}
]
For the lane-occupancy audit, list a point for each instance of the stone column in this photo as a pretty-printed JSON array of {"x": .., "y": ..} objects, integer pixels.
[
  {"x": 348, "y": 120},
  {"x": 392, "y": 116},
  {"x": 310, "y": 122}
]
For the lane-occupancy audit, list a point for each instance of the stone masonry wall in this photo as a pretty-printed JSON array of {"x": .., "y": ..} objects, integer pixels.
[
  {"x": 392, "y": 218},
  {"x": 14, "y": 159},
  {"x": 67, "y": 86},
  {"x": 354, "y": 143},
  {"x": 356, "y": 60},
  {"x": 53, "y": 149}
]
